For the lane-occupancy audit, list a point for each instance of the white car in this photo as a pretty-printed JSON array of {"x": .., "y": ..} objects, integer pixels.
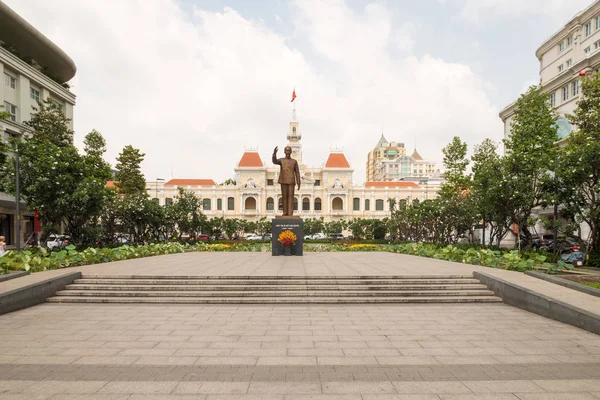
[
  {"x": 253, "y": 236},
  {"x": 57, "y": 241}
]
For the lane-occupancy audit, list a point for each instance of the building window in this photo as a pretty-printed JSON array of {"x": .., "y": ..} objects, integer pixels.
[
  {"x": 553, "y": 99},
  {"x": 317, "y": 204},
  {"x": 586, "y": 50},
  {"x": 598, "y": 22},
  {"x": 378, "y": 205},
  {"x": 560, "y": 68},
  {"x": 295, "y": 204},
  {"x": 269, "y": 182},
  {"x": 588, "y": 29},
  {"x": 230, "y": 202},
  {"x": 12, "y": 109},
  {"x": 561, "y": 46},
  {"x": 168, "y": 201},
  {"x": 270, "y": 204},
  {"x": 34, "y": 94},
  {"x": 569, "y": 41},
  {"x": 206, "y": 204},
  {"x": 10, "y": 81},
  {"x": 356, "y": 204},
  {"x": 250, "y": 204},
  {"x": 280, "y": 205},
  {"x": 565, "y": 93},
  {"x": 415, "y": 202},
  {"x": 219, "y": 204},
  {"x": 337, "y": 204},
  {"x": 569, "y": 62},
  {"x": 367, "y": 204},
  {"x": 576, "y": 88},
  {"x": 306, "y": 204},
  {"x": 317, "y": 182},
  {"x": 596, "y": 44}
]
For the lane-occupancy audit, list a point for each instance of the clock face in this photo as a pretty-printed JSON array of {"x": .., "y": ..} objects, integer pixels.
[{"x": 563, "y": 128}]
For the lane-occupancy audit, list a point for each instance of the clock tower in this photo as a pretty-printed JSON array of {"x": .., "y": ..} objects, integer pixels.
[{"x": 293, "y": 138}]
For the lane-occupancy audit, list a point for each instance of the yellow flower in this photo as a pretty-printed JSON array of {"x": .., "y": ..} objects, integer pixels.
[{"x": 287, "y": 238}]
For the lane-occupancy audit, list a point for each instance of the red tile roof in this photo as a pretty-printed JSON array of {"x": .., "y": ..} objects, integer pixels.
[
  {"x": 337, "y": 160},
  {"x": 190, "y": 182},
  {"x": 250, "y": 159},
  {"x": 391, "y": 184}
]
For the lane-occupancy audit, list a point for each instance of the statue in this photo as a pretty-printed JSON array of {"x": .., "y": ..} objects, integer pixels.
[
  {"x": 289, "y": 176},
  {"x": 338, "y": 184}
]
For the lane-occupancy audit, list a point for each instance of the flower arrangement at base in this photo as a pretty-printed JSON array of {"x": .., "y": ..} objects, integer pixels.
[{"x": 287, "y": 238}]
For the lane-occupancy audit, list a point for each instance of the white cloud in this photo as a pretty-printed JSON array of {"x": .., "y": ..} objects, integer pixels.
[
  {"x": 475, "y": 10},
  {"x": 192, "y": 90}
]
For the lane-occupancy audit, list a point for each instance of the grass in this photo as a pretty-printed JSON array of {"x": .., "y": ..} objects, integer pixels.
[{"x": 592, "y": 284}]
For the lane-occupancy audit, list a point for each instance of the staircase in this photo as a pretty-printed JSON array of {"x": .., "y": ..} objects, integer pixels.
[{"x": 275, "y": 290}]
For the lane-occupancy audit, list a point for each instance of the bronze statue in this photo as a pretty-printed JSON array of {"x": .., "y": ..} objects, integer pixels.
[{"x": 289, "y": 175}]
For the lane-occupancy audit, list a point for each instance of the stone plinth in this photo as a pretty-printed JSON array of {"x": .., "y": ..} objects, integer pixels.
[{"x": 281, "y": 224}]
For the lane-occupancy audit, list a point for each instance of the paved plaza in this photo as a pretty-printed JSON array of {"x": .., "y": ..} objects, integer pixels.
[{"x": 318, "y": 352}]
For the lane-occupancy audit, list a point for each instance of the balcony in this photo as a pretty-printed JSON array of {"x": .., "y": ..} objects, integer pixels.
[{"x": 250, "y": 212}]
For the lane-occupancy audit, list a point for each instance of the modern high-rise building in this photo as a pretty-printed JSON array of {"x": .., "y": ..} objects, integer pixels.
[
  {"x": 565, "y": 57},
  {"x": 33, "y": 69},
  {"x": 405, "y": 167},
  {"x": 384, "y": 150}
]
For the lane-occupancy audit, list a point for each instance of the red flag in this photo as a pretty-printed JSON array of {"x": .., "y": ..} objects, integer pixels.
[{"x": 294, "y": 94}]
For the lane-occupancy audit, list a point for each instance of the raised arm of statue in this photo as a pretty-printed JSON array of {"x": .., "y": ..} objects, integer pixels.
[{"x": 275, "y": 160}]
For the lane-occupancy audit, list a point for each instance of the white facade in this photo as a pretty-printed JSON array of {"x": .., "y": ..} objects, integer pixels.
[{"x": 326, "y": 192}]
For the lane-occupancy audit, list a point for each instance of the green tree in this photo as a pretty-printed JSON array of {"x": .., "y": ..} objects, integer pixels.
[
  {"x": 49, "y": 124},
  {"x": 488, "y": 190},
  {"x": 188, "y": 216},
  {"x": 455, "y": 163},
  {"x": 578, "y": 171},
  {"x": 530, "y": 151},
  {"x": 129, "y": 179}
]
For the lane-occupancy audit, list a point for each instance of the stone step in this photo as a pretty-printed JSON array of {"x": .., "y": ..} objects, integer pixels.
[
  {"x": 338, "y": 293},
  {"x": 274, "y": 300},
  {"x": 261, "y": 281},
  {"x": 278, "y": 277},
  {"x": 398, "y": 287}
]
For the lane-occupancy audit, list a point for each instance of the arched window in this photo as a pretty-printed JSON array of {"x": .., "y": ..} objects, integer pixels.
[
  {"x": 306, "y": 204},
  {"x": 294, "y": 130},
  {"x": 415, "y": 202},
  {"x": 219, "y": 204},
  {"x": 367, "y": 204},
  {"x": 337, "y": 204},
  {"x": 356, "y": 204},
  {"x": 250, "y": 203},
  {"x": 317, "y": 204},
  {"x": 280, "y": 205},
  {"x": 230, "y": 203},
  {"x": 270, "y": 204},
  {"x": 403, "y": 203},
  {"x": 168, "y": 201},
  {"x": 206, "y": 204},
  {"x": 156, "y": 200},
  {"x": 295, "y": 204},
  {"x": 378, "y": 205}
]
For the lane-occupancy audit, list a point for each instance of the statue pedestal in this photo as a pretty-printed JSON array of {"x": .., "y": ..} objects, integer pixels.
[{"x": 281, "y": 224}]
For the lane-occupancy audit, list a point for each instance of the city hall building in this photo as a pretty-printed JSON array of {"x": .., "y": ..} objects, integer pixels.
[{"x": 327, "y": 191}]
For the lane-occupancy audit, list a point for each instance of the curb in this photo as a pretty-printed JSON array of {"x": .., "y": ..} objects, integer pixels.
[
  {"x": 525, "y": 299},
  {"x": 565, "y": 282},
  {"x": 13, "y": 275},
  {"x": 35, "y": 293}
]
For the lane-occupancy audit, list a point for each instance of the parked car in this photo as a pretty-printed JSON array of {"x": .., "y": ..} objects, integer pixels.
[
  {"x": 57, "y": 241},
  {"x": 316, "y": 236},
  {"x": 336, "y": 236},
  {"x": 254, "y": 236},
  {"x": 203, "y": 238},
  {"x": 268, "y": 236},
  {"x": 565, "y": 245}
]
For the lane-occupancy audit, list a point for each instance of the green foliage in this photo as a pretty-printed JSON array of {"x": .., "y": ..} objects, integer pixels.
[
  {"x": 578, "y": 174},
  {"x": 49, "y": 124},
  {"x": 129, "y": 179},
  {"x": 595, "y": 285},
  {"x": 530, "y": 153}
]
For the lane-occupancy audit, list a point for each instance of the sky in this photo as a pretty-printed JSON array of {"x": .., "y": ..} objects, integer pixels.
[{"x": 194, "y": 83}]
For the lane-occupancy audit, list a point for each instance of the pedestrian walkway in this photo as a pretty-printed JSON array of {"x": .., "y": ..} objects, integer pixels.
[{"x": 318, "y": 352}]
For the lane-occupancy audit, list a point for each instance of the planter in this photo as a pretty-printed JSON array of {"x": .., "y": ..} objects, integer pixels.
[{"x": 287, "y": 251}]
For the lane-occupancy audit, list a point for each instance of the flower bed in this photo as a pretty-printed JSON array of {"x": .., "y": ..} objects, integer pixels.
[{"x": 42, "y": 260}]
